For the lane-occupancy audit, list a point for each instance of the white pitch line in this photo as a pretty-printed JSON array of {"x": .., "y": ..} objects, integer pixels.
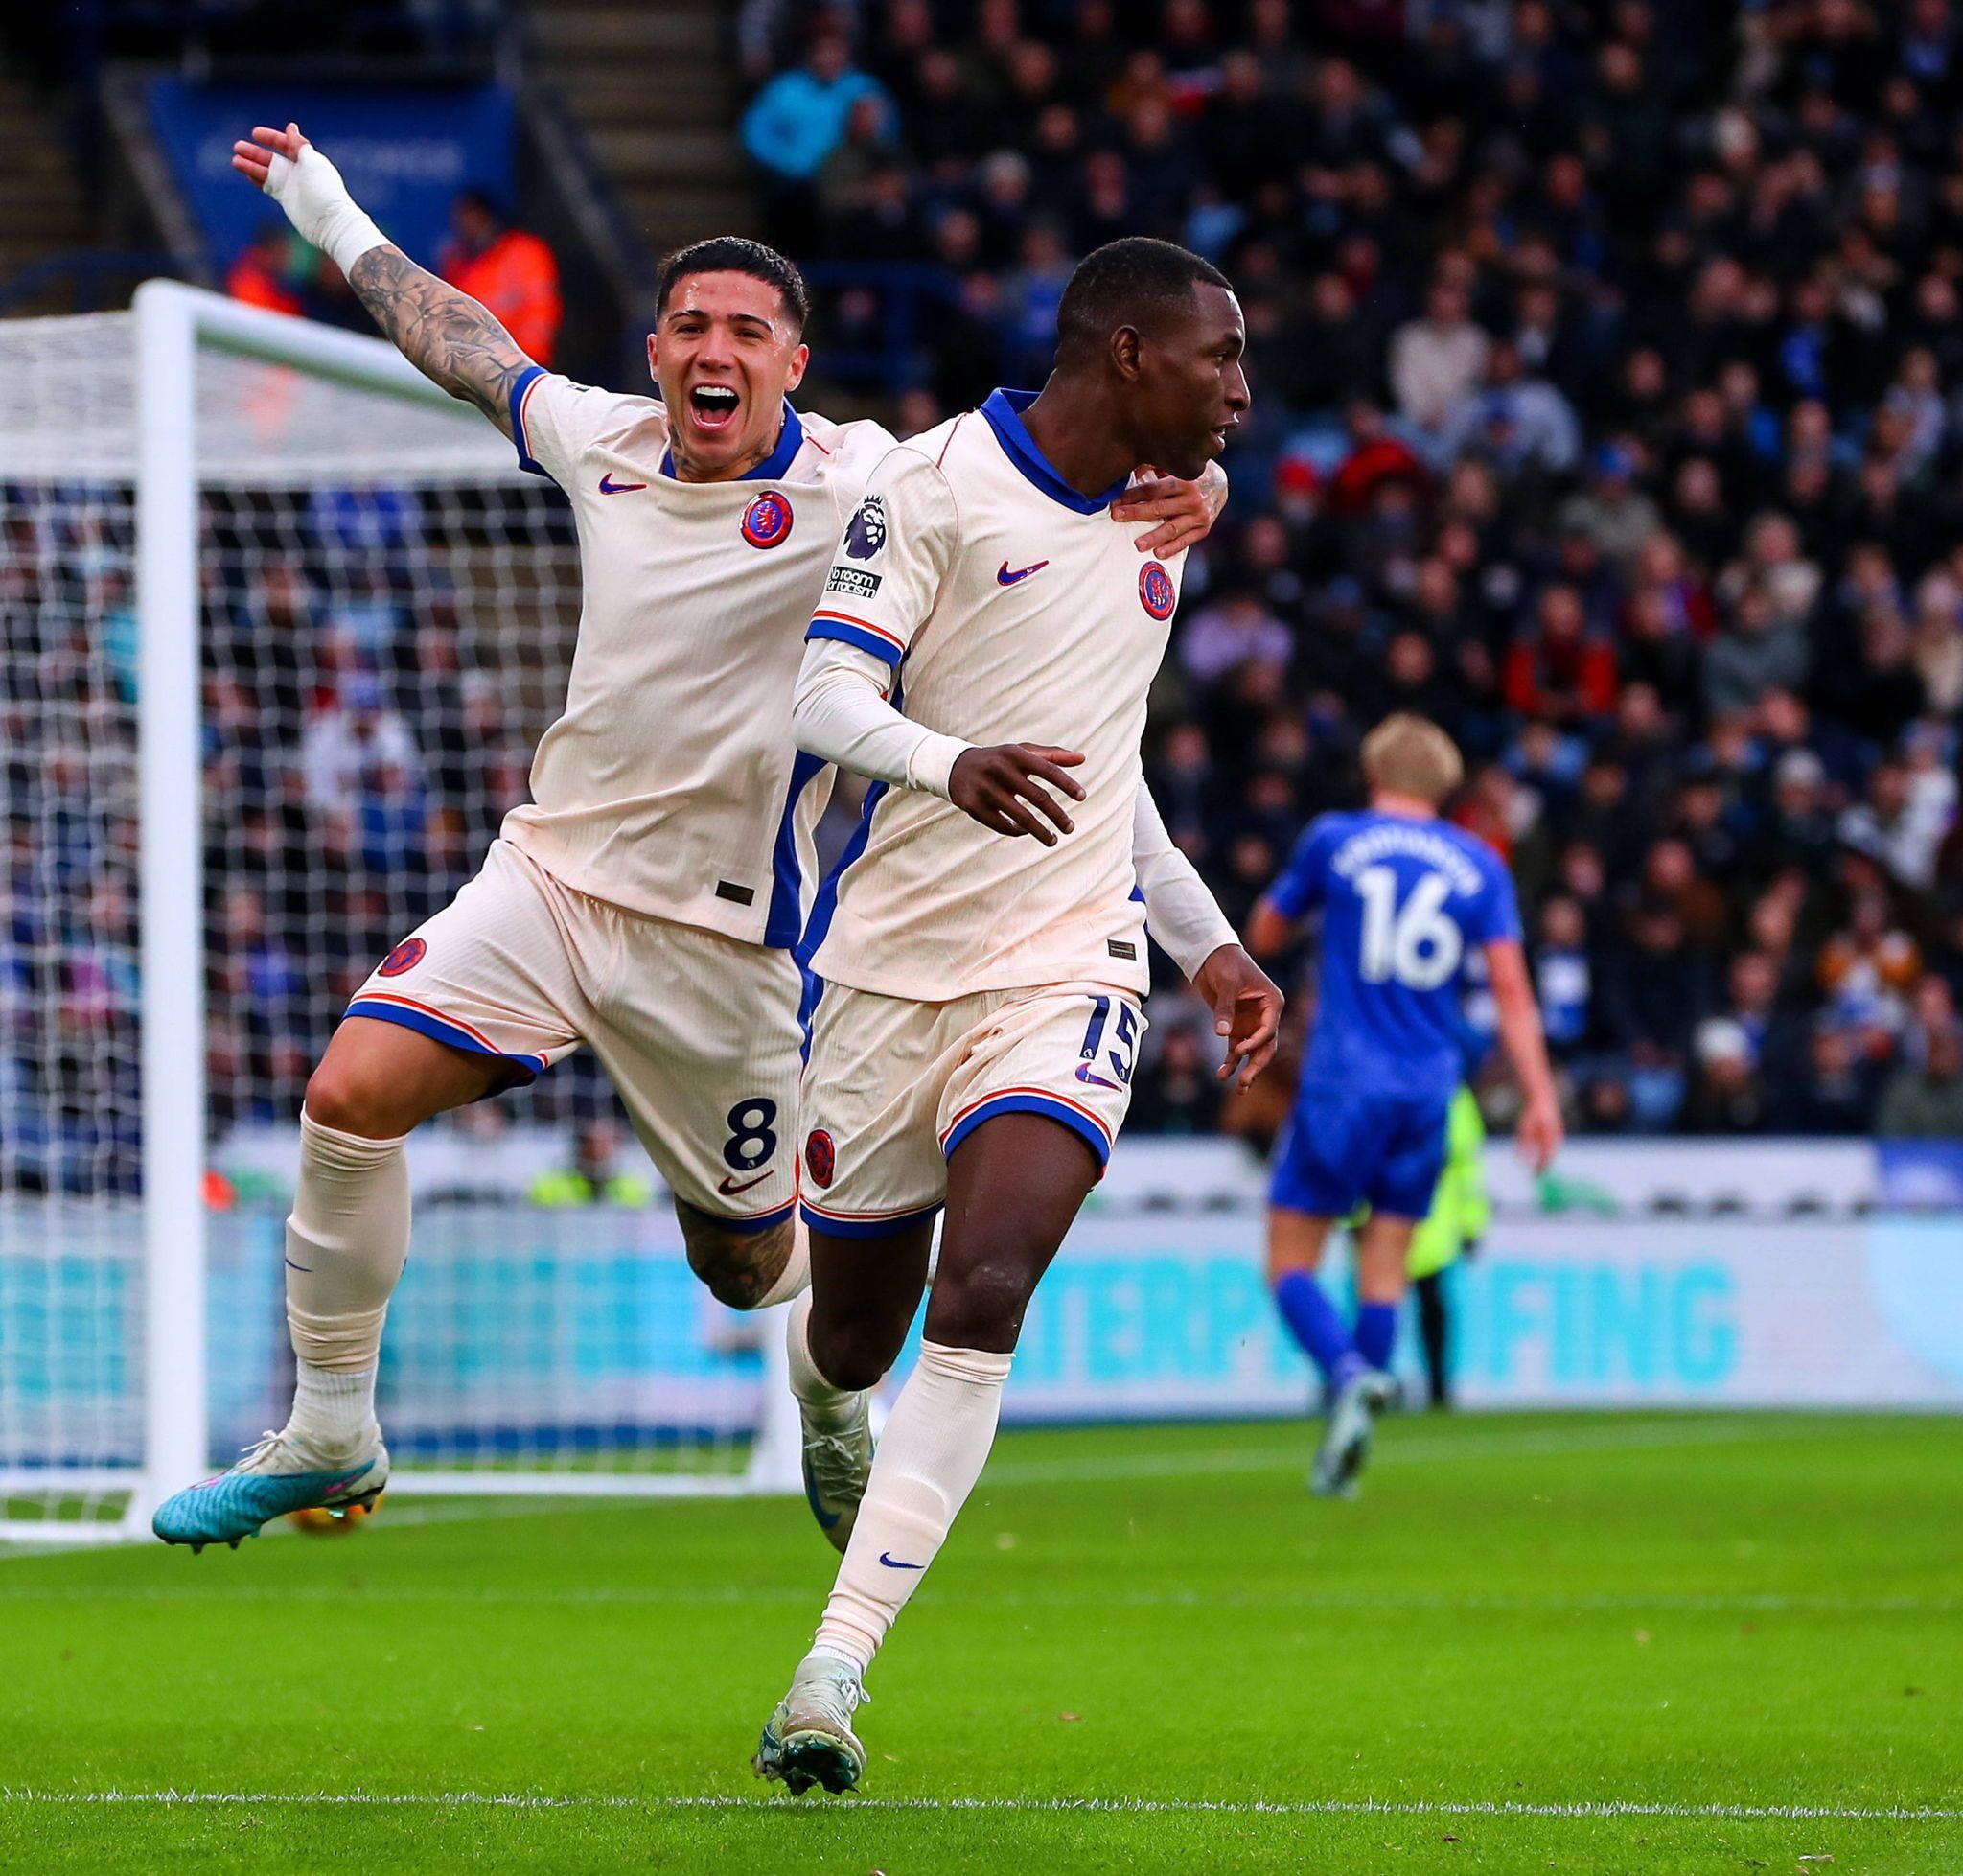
[
  {"x": 1311, "y": 1600},
  {"x": 1120, "y": 1806}
]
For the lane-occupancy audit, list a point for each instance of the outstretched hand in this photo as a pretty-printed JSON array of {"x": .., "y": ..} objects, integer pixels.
[
  {"x": 254, "y": 160},
  {"x": 1247, "y": 1011}
]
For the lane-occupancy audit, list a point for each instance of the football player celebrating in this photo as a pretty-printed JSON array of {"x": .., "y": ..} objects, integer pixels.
[
  {"x": 982, "y": 952},
  {"x": 647, "y": 901}
]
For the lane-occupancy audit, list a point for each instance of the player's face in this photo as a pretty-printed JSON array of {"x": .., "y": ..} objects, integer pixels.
[
  {"x": 725, "y": 355},
  {"x": 1190, "y": 390}
]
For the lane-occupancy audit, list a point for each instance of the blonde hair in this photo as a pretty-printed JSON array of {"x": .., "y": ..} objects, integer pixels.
[{"x": 1406, "y": 754}]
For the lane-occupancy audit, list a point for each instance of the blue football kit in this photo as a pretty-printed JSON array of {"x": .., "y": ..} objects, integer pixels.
[{"x": 1406, "y": 903}]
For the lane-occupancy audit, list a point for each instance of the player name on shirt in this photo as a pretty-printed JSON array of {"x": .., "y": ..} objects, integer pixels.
[{"x": 1413, "y": 840}]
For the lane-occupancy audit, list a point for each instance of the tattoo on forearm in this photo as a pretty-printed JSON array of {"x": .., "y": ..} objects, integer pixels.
[{"x": 445, "y": 334}]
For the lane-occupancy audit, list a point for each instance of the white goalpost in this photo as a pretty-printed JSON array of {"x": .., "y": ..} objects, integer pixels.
[{"x": 279, "y": 621}]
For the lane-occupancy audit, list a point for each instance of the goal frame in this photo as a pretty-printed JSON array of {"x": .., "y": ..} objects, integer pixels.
[{"x": 170, "y": 324}]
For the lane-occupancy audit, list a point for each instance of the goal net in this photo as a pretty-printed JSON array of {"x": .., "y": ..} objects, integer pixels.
[{"x": 279, "y": 624}]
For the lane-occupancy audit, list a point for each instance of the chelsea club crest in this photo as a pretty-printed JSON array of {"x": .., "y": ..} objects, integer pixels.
[{"x": 766, "y": 521}]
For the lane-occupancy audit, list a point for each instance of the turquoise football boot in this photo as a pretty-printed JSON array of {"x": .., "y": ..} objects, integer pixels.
[{"x": 280, "y": 1474}]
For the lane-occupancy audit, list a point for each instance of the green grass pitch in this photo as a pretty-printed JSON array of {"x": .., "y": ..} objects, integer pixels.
[{"x": 1617, "y": 1644}]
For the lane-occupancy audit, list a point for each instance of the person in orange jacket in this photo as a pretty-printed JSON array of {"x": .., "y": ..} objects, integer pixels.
[
  {"x": 262, "y": 274},
  {"x": 506, "y": 269}
]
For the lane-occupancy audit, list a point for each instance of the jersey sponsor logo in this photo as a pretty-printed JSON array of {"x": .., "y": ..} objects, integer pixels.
[
  {"x": 865, "y": 532},
  {"x": 1005, "y": 576},
  {"x": 730, "y": 1187},
  {"x": 820, "y": 1157},
  {"x": 1085, "y": 1075},
  {"x": 609, "y": 486},
  {"x": 1157, "y": 593},
  {"x": 405, "y": 956},
  {"x": 853, "y": 580},
  {"x": 766, "y": 521}
]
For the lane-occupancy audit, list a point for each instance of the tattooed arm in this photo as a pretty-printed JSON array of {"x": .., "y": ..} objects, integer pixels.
[{"x": 446, "y": 334}]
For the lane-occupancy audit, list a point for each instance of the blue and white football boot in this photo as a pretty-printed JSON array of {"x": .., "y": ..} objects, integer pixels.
[
  {"x": 838, "y": 1462},
  {"x": 280, "y": 1474}
]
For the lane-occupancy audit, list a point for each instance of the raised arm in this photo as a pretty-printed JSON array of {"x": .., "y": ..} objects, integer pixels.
[{"x": 446, "y": 334}]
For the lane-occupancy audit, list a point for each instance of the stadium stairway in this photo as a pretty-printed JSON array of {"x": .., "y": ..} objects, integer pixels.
[
  {"x": 653, "y": 91},
  {"x": 43, "y": 205}
]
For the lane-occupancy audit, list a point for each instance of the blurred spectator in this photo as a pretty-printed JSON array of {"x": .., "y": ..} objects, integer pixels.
[
  {"x": 1726, "y": 1096},
  {"x": 1924, "y": 1101},
  {"x": 348, "y": 744},
  {"x": 1181, "y": 1094},
  {"x": 1436, "y": 360},
  {"x": 795, "y": 123},
  {"x": 509, "y": 271},
  {"x": 260, "y": 274},
  {"x": 1559, "y": 672},
  {"x": 594, "y": 1177}
]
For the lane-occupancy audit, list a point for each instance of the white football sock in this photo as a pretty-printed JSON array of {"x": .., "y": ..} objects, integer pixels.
[
  {"x": 347, "y": 1240},
  {"x": 795, "y": 1279},
  {"x": 822, "y": 1403},
  {"x": 333, "y": 1412},
  {"x": 929, "y": 1456}
]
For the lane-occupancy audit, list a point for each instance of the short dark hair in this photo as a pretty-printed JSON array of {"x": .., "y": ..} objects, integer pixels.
[
  {"x": 734, "y": 254},
  {"x": 1126, "y": 283}
]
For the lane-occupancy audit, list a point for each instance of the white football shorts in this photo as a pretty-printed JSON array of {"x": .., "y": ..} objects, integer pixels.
[
  {"x": 698, "y": 1034},
  {"x": 894, "y": 1086}
]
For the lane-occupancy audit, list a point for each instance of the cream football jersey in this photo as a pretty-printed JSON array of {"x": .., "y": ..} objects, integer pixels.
[
  {"x": 1010, "y": 610},
  {"x": 671, "y": 785}
]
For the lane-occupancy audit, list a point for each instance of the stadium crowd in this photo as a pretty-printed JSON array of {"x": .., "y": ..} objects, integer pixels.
[
  {"x": 364, "y": 731},
  {"x": 1607, "y": 364},
  {"x": 1608, "y": 375}
]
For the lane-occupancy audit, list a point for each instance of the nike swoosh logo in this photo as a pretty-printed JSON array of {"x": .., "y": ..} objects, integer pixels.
[
  {"x": 1096, "y": 1080},
  {"x": 1004, "y": 578},
  {"x": 304, "y": 1269},
  {"x": 729, "y": 1192},
  {"x": 609, "y": 486},
  {"x": 894, "y": 1564}
]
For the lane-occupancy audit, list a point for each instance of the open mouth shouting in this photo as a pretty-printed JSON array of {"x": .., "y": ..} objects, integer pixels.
[{"x": 714, "y": 407}]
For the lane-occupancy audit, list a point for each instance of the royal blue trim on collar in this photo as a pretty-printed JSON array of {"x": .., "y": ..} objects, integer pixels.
[
  {"x": 771, "y": 469},
  {"x": 1003, "y": 410}
]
